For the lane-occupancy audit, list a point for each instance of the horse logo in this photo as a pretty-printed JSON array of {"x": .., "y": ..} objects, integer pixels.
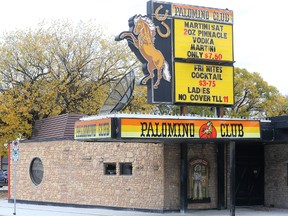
[
  {"x": 142, "y": 35},
  {"x": 208, "y": 130}
]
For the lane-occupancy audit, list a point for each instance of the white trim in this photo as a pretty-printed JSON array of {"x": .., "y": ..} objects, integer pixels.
[{"x": 153, "y": 116}]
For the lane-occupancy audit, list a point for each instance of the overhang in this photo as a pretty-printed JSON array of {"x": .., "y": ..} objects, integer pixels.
[{"x": 167, "y": 128}]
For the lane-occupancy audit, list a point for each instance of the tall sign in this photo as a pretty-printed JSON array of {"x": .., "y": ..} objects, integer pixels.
[
  {"x": 203, "y": 55},
  {"x": 186, "y": 53},
  {"x": 152, "y": 47}
]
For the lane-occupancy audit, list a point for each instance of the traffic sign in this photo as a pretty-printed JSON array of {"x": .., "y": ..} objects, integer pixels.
[{"x": 15, "y": 150}]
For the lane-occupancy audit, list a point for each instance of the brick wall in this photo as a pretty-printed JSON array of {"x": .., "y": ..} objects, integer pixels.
[
  {"x": 74, "y": 174},
  {"x": 276, "y": 182}
]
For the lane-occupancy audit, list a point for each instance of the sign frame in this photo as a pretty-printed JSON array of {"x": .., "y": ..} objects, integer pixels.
[
  {"x": 159, "y": 72},
  {"x": 94, "y": 129}
]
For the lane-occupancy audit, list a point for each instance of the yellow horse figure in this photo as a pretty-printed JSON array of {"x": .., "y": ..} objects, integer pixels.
[{"x": 145, "y": 31}]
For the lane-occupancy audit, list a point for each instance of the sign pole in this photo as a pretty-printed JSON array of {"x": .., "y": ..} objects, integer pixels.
[
  {"x": 14, "y": 191},
  {"x": 15, "y": 157}
]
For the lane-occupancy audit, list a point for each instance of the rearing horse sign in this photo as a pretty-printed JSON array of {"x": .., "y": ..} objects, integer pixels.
[
  {"x": 152, "y": 46},
  {"x": 186, "y": 53},
  {"x": 145, "y": 31}
]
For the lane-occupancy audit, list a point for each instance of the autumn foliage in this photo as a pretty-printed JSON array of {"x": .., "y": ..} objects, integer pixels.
[
  {"x": 56, "y": 69},
  {"x": 63, "y": 68}
]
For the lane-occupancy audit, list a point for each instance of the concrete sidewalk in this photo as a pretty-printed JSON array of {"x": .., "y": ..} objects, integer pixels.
[{"x": 7, "y": 209}]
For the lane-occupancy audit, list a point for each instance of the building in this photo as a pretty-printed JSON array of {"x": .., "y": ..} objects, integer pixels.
[{"x": 168, "y": 168}]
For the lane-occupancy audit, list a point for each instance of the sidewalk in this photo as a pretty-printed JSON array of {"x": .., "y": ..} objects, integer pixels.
[{"x": 7, "y": 209}]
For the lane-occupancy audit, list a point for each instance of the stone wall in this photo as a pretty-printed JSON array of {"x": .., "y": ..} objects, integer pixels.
[
  {"x": 74, "y": 174},
  {"x": 172, "y": 176},
  {"x": 276, "y": 170}
]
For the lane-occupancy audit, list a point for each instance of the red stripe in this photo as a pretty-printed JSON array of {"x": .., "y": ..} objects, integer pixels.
[{"x": 9, "y": 170}]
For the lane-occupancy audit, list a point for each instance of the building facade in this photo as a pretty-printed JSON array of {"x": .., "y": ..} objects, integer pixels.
[{"x": 145, "y": 175}]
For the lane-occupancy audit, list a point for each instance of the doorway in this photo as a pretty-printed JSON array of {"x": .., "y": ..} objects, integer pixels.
[{"x": 249, "y": 174}]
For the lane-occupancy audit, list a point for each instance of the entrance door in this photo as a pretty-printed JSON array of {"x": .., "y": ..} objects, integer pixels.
[{"x": 249, "y": 174}]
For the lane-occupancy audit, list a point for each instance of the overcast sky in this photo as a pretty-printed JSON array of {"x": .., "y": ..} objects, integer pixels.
[{"x": 259, "y": 29}]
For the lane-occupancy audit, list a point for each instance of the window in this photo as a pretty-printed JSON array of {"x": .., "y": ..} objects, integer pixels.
[
  {"x": 125, "y": 168},
  {"x": 36, "y": 171},
  {"x": 110, "y": 168}
]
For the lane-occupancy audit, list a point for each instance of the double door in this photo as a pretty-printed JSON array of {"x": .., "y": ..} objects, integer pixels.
[{"x": 249, "y": 174}]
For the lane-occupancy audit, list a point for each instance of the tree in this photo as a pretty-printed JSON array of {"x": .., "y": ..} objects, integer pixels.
[
  {"x": 139, "y": 104},
  {"x": 254, "y": 97},
  {"x": 276, "y": 104},
  {"x": 61, "y": 68},
  {"x": 56, "y": 69}
]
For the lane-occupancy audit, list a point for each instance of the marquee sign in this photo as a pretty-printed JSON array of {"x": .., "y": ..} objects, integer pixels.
[
  {"x": 173, "y": 37},
  {"x": 203, "y": 83},
  {"x": 92, "y": 129},
  {"x": 202, "y": 13},
  {"x": 188, "y": 129},
  {"x": 202, "y": 40},
  {"x": 127, "y": 126}
]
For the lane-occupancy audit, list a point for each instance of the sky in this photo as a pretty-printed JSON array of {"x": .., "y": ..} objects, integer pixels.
[{"x": 259, "y": 28}]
